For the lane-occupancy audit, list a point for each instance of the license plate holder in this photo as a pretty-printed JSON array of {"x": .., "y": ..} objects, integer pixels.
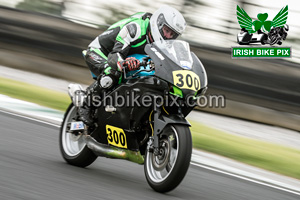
[{"x": 76, "y": 126}]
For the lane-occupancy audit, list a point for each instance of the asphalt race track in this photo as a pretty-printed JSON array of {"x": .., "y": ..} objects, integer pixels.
[{"x": 31, "y": 168}]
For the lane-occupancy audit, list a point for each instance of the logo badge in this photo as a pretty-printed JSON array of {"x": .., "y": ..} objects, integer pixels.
[{"x": 262, "y": 32}]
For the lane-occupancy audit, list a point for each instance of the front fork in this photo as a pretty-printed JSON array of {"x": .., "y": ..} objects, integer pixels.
[
  {"x": 156, "y": 131},
  {"x": 153, "y": 143},
  {"x": 159, "y": 125}
]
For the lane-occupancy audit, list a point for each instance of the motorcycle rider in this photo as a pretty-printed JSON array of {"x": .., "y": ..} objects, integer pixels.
[{"x": 126, "y": 37}]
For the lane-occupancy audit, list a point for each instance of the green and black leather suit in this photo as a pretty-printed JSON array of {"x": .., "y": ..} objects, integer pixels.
[{"x": 126, "y": 37}]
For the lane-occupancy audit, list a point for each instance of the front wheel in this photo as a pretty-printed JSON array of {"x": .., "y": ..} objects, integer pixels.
[
  {"x": 274, "y": 39},
  {"x": 72, "y": 146},
  {"x": 165, "y": 171}
]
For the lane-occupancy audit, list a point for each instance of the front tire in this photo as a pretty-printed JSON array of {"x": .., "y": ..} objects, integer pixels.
[
  {"x": 274, "y": 39},
  {"x": 164, "y": 172},
  {"x": 73, "y": 147}
]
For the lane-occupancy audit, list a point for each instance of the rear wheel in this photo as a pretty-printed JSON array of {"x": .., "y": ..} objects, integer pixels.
[
  {"x": 72, "y": 145},
  {"x": 165, "y": 171},
  {"x": 264, "y": 39}
]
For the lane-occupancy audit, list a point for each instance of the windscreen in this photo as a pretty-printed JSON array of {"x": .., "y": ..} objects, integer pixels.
[{"x": 179, "y": 52}]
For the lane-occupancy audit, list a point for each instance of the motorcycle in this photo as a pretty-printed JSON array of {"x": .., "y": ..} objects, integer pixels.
[
  {"x": 245, "y": 38},
  {"x": 277, "y": 34},
  {"x": 155, "y": 135}
]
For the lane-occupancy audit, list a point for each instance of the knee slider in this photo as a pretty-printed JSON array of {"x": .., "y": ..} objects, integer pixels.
[
  {"x": 110, "y": 78},
  {"x": 106, "y": 81}
]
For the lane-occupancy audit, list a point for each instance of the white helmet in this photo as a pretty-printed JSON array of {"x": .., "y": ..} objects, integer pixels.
[{"x": 166, "y": 23}]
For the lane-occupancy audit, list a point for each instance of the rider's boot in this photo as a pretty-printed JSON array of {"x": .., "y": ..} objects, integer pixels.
[
  {"x": 104, "y": 82},
  {"x": 85, "y": 111},
  {"x": 85, "y": 115},
  {"x": 80, "y": 100}
]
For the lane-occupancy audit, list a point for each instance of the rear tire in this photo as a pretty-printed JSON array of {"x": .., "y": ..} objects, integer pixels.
[
  {"x": 72, "y": 147},
  {"x": 264, "y": 39},
  {"x": 179, "y": 142}
]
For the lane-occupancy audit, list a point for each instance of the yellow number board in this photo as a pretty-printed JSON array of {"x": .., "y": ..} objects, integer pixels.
[
  {"x": 186, "y": 79},
  {"x": 116, "y": 136}
]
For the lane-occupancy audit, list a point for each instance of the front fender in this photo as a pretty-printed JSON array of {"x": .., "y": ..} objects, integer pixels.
[{"x": 161, "y": 122}]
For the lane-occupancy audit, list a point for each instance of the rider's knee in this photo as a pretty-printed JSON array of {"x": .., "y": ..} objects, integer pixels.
[{"x": 109, "y": 78}]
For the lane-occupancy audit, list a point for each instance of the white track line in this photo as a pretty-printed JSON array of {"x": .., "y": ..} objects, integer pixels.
[
  {"x": 193, "y": 163},
  {"x": 245, "y": 178},
  {"x": 30, "y": 118}
]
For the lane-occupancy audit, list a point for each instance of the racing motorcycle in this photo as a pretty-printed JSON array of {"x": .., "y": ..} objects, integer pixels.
[
  {"x": 156, "y": 135},
  {"x": 245, "y": 38},
  {"x": 277, "y": 34}
]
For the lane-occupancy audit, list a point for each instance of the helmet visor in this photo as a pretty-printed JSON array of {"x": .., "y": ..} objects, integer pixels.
[
  {"x": 165, "y": 30},
  {"x": 168, "y": 33}
]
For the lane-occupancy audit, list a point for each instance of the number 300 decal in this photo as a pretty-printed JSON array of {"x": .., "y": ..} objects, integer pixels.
[
  {"x": 185, "y": 79},
  {"x": 116, "y": 136}
]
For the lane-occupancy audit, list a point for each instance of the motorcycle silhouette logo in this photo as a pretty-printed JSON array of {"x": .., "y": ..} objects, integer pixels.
[{"x": 268, "y": 32}]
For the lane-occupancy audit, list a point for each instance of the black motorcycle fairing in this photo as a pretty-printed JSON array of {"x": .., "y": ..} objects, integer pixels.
[
  {"x": 129, "y": 117},
  {"x": 132, "y": 118},
  {"x": 164, "y": 67},
  {"x": 199, "y": 69},
  {"x": 163, "y": 120}
]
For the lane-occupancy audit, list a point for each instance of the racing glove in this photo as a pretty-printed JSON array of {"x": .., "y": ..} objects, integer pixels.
[{"x": 132, "y": 63}]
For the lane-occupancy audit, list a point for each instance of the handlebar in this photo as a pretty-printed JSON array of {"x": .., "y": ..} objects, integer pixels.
[{"x": 143, "y": 63}]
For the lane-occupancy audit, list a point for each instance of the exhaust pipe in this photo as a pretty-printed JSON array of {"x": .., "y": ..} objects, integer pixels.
[{"x": 113, "y": 152}]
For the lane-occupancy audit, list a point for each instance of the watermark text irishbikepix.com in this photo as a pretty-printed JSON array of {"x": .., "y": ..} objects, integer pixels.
[{"x": 132, "y": 99}]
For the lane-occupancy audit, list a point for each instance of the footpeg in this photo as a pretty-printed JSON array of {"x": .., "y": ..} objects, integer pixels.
[{"x": 110, "y": 109}]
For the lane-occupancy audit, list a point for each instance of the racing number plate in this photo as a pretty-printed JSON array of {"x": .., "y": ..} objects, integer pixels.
[
  {"x": 186, "y": 79},
  {"x": 116, "y": 136}
]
